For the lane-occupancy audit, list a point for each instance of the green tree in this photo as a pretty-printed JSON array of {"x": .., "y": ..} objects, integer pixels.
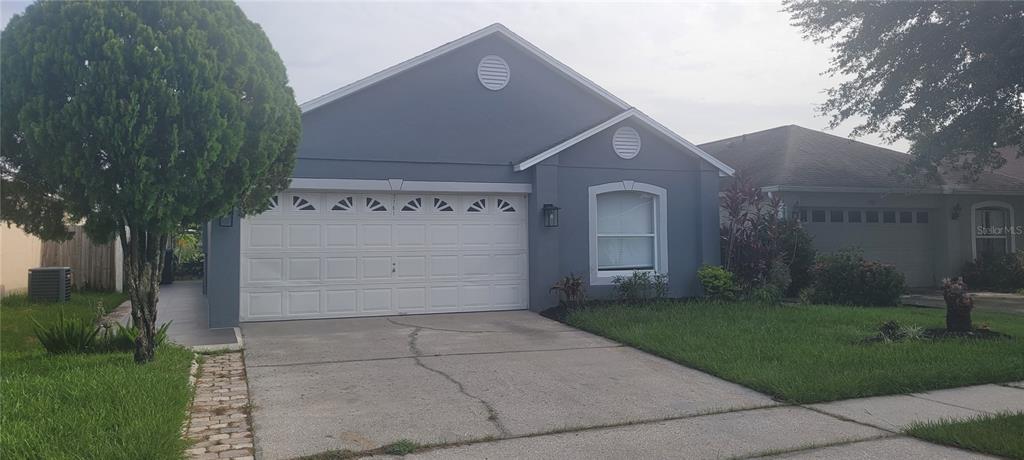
[
  {"x": 139, "y": 118},
  {"x": 947, "y": 76}
]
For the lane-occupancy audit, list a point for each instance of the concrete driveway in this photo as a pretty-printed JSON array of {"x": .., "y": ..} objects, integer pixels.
[{"x": 362, "y": 383}]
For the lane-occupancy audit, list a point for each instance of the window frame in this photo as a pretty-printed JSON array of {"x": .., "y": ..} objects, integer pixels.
[
  {"x": 1011, "y": 241},
  {"x": 605, "y": 277}
]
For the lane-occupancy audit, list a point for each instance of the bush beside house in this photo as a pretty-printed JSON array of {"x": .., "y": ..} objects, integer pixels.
[
  {"x": 1002, "y": 273},
  {"x": 846, "y": 278}
]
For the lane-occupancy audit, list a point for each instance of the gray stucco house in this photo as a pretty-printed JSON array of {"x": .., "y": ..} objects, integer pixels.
[
  {"x": 847, "y": 195},
  {"x": 422, "y": 189}
]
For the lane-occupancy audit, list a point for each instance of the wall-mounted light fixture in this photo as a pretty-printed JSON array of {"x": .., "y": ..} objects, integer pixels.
[
  {"x": 230, "y": 222},
  {"x": 550, "y": 215}
]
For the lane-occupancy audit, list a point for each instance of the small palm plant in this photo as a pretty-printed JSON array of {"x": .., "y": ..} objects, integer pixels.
[
  {"x": 572, "y": 293},
  {"x": 67, "y": 335}
]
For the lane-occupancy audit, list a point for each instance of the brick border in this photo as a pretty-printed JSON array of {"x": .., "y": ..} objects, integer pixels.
[{"x": 219, "y": 423}]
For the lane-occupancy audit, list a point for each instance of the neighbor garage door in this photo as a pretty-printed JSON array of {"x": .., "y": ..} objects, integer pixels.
[
  {"x": 901, "y": 237},
  {"x": 325, "y": 254}
]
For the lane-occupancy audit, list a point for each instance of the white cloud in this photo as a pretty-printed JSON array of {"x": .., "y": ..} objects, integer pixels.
[{"x": 706, "y": 70}]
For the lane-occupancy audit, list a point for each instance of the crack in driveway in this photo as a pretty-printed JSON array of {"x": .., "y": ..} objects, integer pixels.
[
  {"x": 398, "y": 323},
  {"x": 492, "y": 414}
]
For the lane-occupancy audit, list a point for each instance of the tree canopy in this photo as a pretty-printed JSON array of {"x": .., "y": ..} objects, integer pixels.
[
  {"x": 947, "y": 76},
  {"x": 152, "y": 115},
  {"x": 139, "y": 118}
]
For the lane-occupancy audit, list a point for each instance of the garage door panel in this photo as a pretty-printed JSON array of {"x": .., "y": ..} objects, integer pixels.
[
  {"x": 303, "y": 302},
  {"x": 412, "y": 299},
  {"x": 444, "y": 298},
  {"x": 476, "y": 297},
  {"x": 410, "y": 235},
  {"x": 349, "y": 256},
  {"x": 475, "y": 236},
  {"x": 375, "y": 235},
  {"x": 304, "y": 269},
  {"x": 341, "y": 268},
  {"x": 411, "y": 267},
  {"x": 444, "y": 235},
  {"x": 376, "y": 300},
  {"x": 341, "y": 235},
  {"x": 341, "y": 301},
  {"x": 376, "y": 268},
  {"x": 303, "y": 235},
  {"x": 266, "y": 236},
  {"x": 476, "y": 265},
  {"x": 263, "y": 304},
  {"x": 264, "y": 270}
]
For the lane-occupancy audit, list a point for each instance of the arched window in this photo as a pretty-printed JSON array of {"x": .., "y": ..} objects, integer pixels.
[
  {"x": 992, "y": 226},
  {"x": 627, "y": 230}
]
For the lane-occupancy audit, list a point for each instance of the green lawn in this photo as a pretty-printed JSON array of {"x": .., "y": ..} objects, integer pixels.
[
  {"x": 997, "y": 435},
  {"x": 100, "y": 406},
  {"x": 807, "y": 354},
  {"x": 18, "y": 310}
]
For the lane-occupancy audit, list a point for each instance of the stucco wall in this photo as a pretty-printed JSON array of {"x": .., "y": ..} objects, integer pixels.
[
  {"x": 436, "y": 122},
  {"x": 948, "y": 238},
  {"x": 19, "y": 251}
]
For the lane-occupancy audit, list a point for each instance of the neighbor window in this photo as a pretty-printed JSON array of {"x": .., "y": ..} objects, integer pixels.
[
  {"x": 922, "y": 217},
  {"x": 906, "y": 217},
  {"x": 836, "y": 216},
  {"x": 818, "y": 215},
  {"x": 854, "y": 217},
  {"x": 627, "y": 230},
  {"x": 992, "y": 226},
  {"x": 871, "y": 217},
  {"x": 889, "y": 217}
]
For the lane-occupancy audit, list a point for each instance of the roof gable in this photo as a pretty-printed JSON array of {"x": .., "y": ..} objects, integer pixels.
[
  {"x": 496, "y": 28},
  {"x": 628, "y": 114}
]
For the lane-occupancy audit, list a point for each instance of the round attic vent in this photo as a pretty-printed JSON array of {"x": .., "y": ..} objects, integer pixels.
[
  {"x": 626, "y": 142},
  {"x": 493, "y": 72}
]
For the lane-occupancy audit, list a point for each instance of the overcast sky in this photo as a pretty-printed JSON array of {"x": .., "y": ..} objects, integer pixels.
[{"x": 706, "y": 70}]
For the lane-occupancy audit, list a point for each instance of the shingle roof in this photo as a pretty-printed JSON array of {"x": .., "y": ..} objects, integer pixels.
[{"x": 795, "y": 156}]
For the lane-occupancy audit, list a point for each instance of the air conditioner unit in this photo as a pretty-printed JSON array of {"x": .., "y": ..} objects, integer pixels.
[{"x": 51, "y": 284}]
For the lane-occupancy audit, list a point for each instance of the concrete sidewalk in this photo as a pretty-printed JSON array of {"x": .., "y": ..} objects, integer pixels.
[
  {"x": 867, "y": 428},
  {"x": 183, "y": 305}
]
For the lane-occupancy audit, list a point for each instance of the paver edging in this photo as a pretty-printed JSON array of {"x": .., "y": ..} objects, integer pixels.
[{"x": 219, "y": 425}]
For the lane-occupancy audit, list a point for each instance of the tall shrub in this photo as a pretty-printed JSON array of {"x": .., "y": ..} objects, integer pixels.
[
  {"x": 140, "y": 118},
  {"x": 759, "y": 243},
  {"x": 846, "y": 278}
]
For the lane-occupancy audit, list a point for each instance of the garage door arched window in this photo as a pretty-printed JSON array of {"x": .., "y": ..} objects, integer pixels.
[
  {"x": 992, "y": 225},
  {"x": 627, "y": 230}
]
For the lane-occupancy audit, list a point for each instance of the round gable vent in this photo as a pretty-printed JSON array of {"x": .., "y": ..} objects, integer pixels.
[
  {"x": 626, "y": 142},
  {"x": 493, "y": 72}
]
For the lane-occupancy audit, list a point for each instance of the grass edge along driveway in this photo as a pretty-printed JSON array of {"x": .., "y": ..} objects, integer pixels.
[
  {"x": 87, "y": 405},
  {"x": 1000, "y": 434},
  {"x": 808, "y": 354}
]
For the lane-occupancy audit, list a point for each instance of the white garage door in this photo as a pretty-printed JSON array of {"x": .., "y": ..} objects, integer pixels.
[{"x": 327, "y": 254}]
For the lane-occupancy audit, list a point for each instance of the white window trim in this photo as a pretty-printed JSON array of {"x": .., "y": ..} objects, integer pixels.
[
  {"x": 974, "y": 225},
  {"x": 660, "y": 231}
]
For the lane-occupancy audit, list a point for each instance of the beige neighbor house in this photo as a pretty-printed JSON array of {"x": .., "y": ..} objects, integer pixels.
[
  {"x": 847, "y": 195},
  {"x": 19, "y": 251},
  {"x": 94, "y": 266}
]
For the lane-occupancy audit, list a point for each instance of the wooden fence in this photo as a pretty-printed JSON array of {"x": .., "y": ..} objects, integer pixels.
[{"x": 94, "y": 266}]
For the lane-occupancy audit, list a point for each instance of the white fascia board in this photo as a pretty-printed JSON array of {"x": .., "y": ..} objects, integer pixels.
[
  {"x": 493, "y": 28},
  {"x": 572, "y": 141},
  {"x": 399, "y": 185},
  {"x": 944, "y": 190},
  {"x": 723, "y": 169}
]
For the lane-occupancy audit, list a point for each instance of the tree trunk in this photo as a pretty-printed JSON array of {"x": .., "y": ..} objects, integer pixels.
[
  {"x": 143, "y": 264},
  {"x": 958, "y": 319}
]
